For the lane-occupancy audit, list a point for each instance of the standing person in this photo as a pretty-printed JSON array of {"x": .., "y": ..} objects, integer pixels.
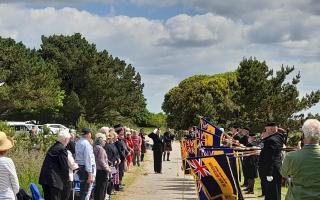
[
  {"x": 9, "y": 183},
  {"x": 244, "y": 141},
  {"x": 157, "y": 149},
  {"x": 86, "y": 161},
  {"x": 271, "y": 160},
  {"x": 54, "y": 175},
  {"x": 251, "y": 164},
  {"x": 235, "y": 132},
  {"x": 137, "y": 141},
  {"x": 114, "y": 160},
  {"x": 72, "y": 166},
  {"x": 143, "y": 144},
  {"x": 167, "y": 139},
  {"x": 103, "y": 168},
  {"x": 129, "y": 144},
  {"x": 123, "y": 152},
  {"x": 72, "y": 144},
  {"x": 302, "y": 166},
  {"x": 262, "y": 176}
]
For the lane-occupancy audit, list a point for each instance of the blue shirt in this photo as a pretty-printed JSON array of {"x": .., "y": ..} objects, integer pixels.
[{"x": 84, "y": 154}]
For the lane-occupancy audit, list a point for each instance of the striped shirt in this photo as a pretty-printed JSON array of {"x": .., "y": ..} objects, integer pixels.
[{"x": 9, "y": 184}]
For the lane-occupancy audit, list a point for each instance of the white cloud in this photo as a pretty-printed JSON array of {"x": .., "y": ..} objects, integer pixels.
[{"x": 167, "y": 51}]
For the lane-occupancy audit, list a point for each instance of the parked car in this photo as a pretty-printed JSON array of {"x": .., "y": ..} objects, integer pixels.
[
  {"x": 56, "y": 128},
  {"x": 21, "y": 126}
]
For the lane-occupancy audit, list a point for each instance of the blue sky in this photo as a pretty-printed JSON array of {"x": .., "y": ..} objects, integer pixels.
[{"x": 169, "y": 40}]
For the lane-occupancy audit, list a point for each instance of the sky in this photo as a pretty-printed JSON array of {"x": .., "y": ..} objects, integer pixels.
[{"x": 170, "y": 40}]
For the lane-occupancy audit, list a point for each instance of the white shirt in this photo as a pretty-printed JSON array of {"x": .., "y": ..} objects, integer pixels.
[
  {"x": 72, "y": 165},
  {"x": 9, "y": 183}
]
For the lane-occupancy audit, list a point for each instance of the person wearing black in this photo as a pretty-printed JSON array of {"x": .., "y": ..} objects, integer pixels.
[
  {"x": 262, "y": 176},
  {"x": 123, "y": 152},
  {"x": 235, "y": 132},
  {"x": 251, "y": 165},
  {"x": 167, "y": 139},
  {"x": 157, "y": 149},
  {"x": 55, "y": 170},
  {"x": 244, "y": 141},
  {"x": 72, "y": 144},
  {"x": 271, "y": 161},
  {"x": 143, "y": 144}
]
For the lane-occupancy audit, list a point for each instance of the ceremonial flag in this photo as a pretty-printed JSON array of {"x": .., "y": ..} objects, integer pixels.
[
  {"x": 216, "y": 176},
  {"x": 213, "y": 151},
  {"x": 233, "y": 161},
  {"x": 188, "y": 149},
  {"x": 210, "y": 139}
]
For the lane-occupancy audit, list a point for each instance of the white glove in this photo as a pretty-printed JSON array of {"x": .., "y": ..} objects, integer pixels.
[{"x": 269, "y": 178}]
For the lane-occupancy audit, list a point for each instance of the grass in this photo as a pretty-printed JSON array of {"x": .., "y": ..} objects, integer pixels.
[{"x": 129, "y": 178}]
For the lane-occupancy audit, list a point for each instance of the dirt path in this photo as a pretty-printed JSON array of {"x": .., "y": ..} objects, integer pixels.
[{"x": 171, "y": 184}]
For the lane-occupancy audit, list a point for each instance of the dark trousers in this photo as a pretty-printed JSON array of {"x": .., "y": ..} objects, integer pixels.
[
  {"x": 101, "y": 185},
  {"x": 142, "y": 157},
  {"x": 51, "y": 193},
  {"x": 273, "y": 188},
  {"x": 263, "y": 182},
  {"x": 67, "y": 190},
  {"x": 157, "y": 161},
  {"x": 121, "y": 170},
  {"x": 84, "y": 186}
]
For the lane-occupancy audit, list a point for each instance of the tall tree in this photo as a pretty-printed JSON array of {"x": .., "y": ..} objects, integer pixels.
[
  {"x": 31, "y": 86},
  {"x": 108, "y": 89},
  {"x": 201, "y": 95},
  {"x": 267, "y": 96}
]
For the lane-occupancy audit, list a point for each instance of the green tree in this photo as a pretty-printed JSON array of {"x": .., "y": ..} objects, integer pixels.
[
  {"x": 201, "y": 95},
  {"x": 109, "y": 90},
  {"x": 31, "y": 86},
  {"x": 267, "y": 96}
]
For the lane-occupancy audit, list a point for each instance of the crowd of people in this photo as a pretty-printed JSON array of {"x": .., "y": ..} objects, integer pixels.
[
  {"x": 275, "y": 167},
  {"x": 97, "y": 164}
]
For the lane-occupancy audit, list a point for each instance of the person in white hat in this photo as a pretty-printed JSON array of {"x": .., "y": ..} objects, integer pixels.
[{"x": 9, "y": 183}]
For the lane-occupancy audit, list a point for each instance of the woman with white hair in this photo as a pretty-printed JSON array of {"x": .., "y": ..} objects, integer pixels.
[
  {"x": 54, "y": 173},
  {"x": 103, "y": 168},
  {"x": 302, "y": 166},
  {"x": 9, "y": 184}
]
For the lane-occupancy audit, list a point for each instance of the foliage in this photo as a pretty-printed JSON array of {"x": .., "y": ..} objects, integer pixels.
[
  {"x": 31, "y": 85},
  {"x": 250, "y": 96},
  {"x": 267, "y": 96},
  {"x": 101, "y": 88},
  {"x": 156, "y": 120},
  {"x": 201, "y": 95},
  {"x": 68, "y": 78}
]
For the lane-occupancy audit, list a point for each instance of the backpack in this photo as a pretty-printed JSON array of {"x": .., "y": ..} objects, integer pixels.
[{"x": 23, "y": 195}]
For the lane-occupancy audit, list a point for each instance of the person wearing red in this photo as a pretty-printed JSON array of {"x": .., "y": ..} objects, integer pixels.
[
  {"x": 137, "y": 141},
  {"x": 129, "y": 143}
]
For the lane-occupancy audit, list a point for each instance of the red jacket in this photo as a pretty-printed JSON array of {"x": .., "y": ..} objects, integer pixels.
[{"x": 136, "y": 140}]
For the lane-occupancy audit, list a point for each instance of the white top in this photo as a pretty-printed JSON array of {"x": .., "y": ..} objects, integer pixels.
[
  {"x": 72, "y": 165},
  {"x": 9, "y": 183}
]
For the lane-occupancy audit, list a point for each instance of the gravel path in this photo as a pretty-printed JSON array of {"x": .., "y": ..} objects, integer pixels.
[{"x": 171, "y": 184}]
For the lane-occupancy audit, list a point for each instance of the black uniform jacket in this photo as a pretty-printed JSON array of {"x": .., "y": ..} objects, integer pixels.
[
  {"x": 270, "y": 155},
  {"x": 122, "y": 149},
  {"x": 112, "y": 152},
  {"x": 157, "y": 143},
  {"x": 55, "y": 169}
]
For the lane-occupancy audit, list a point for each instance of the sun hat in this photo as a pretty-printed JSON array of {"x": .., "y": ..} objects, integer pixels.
[{"x": 6, "y": 143}]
